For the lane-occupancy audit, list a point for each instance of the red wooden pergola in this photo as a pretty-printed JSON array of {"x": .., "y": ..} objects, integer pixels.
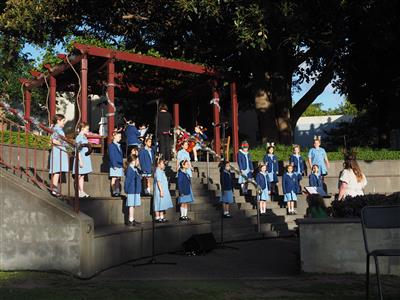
[{"x": 113, "y": 55}]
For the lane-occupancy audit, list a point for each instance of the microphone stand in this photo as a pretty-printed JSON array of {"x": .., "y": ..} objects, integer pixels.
[{"x": 153, "y": 260}]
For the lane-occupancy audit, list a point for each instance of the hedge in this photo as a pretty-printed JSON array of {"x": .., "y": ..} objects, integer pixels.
[
  {"x": 41, "y": 142},
  {"x": 283, "y": 152}
]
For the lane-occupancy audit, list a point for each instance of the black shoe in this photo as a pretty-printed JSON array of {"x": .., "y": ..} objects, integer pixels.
[
  {"x": 136, "y": 222},
  {"x": 181, "y": 219},
  {"x": 187, "y": 218},
  {"x": 130, "y": 223},
  {"x": 164, "y": 220},
  {"x": 158, "y": 221},
  {"x": 227, "y": 216}
]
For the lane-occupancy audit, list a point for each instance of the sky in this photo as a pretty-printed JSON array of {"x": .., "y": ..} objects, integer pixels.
[{"x": 328, "y": 98}]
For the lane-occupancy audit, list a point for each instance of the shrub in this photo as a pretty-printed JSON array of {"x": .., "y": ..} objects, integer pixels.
[
  {"x": 41, "y": 142},
  {"x": 351, "y": 206}
]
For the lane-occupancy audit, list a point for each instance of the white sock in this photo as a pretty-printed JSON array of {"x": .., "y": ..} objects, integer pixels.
[
  {"x": 185, "y": 211},
  {"x": 226, "y": 212},
  {"x": 182, "y": 211},
  {"x": 157, "y": 218},
  {"x": 117, "y": 190},
  {"x": 148, "y": 190},
  {"x": 131, "y": 219}
]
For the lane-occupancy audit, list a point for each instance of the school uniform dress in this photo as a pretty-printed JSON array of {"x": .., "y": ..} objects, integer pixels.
[
  {"x": 262, "y": 180},
  {"x": 200, "y": 138},
  {"x": 298, "y": 168},
  {"x": 245, "y": 166},
  {"x": 132, "y": 135},
  {"x": 184, "y": 187},
  {"x": 184, "y": 155},
  {"x": 318, "y": 157},
  {"x": 226, "y": 187},
  {"x": 133, "y": 186},
  {"x": 146, "y": 159},
  {"x": 315, "y": 180},
  {"x": 58, "y": 156},
  {"x": 115, "y": 157},
  {"x": 165, "y": 202},
  {"x": 289, "y": 186},
  {"x": 87, "y": 162},
  {"x": 272, "y": 167}
]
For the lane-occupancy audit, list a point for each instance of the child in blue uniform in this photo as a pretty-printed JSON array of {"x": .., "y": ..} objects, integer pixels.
[
  {"x": 132, "y": 136},
  {"x": 185, "y": 189},
  {"x": 298, "y": 166},
  {"x": 262, "y": 180},
  {"x": 315, "y": 179},
  {"x": 271, "y": 161},
  {"x": 182, "y": 155},
  {"x": 132, "y": 187},
  {"x": 115, "y": 157},
  {"x": 226, "y": 187},
  {"x": 59, "y": 155},
  {"x": 245, "y": 166},
  {"x": 200, "y": 137},
  {"x": 317, "y": 156},
  {"x": 162, "y": 198},
  {"x": 85, "y": 163},
  {"x": 289, "y": 187},
  {"x": 146, "y": 159}
]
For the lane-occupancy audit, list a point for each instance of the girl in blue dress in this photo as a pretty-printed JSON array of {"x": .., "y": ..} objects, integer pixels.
[
  {"x": 298, "y": 166},
  {"x": 162, "y": 197},
  {"x": 262, "y": 180},
  {"x": 182, "y": 155},
  {"x": 115, "y": 158},
  {"x": 185, "y": 189},
  {"x": 85, "y": 163},
  {"x": 132, "y": 187},
  {"x": 317, "y": 156},
  {"x": 58, "y": 156},
  {"x": 226, "y": 187},
  {"x": 245, "y": 166},
  {"x": 289, "y": 187},
  {"x": 146, "y": 159},
  {"x": 271, "y": 161}
]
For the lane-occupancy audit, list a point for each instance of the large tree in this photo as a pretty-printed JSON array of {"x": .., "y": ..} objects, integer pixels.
[{"x": 261, "y": 44}]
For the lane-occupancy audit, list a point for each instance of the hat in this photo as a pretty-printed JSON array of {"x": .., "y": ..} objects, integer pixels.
[{"x": 245, "y": 144}]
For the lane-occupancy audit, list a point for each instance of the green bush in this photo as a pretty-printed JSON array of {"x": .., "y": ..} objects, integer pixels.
[
  {"x": 283, "y": 152},
  {"x": 351, "y": 206},
  {"x": 41, "y": 142}
]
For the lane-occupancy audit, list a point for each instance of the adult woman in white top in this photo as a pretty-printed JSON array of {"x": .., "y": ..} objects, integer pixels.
[{"x": 352, "y": 181}]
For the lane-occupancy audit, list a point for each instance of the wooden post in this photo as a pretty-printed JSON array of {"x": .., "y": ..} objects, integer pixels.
[
  {"x": 84, "y": 89},
  {"x": 216, "y": 119},
  {"x": 27, "y": 95},
  {"x": 110, "y": 92},
  {"x": 176, "y": 114},
  {"x": 235, "y": 121},
  {"x": 53, "y": 89}
]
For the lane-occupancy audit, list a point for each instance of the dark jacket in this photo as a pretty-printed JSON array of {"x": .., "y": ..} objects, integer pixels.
[
  {"x": 263, "y": 181},
  {"x": 315, "y": 180},
  {"x": 242, "y": 161},
  {"x": 184, "y": 183},
  {"x": 132, "y": 135},
  {"x": 146, "y": 162},
  {"x": 298, "y": 164},
  {"x": 133, "y": 181},
  {"x": 115, "y": 156},
  {"x": 289, "y": 183},
  {"x": 226, "y": 180}
]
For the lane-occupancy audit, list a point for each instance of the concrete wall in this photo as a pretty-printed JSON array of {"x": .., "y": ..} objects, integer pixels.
[
  {"x": 39, "y": 232},
  {"x": 337, "y": 246}
]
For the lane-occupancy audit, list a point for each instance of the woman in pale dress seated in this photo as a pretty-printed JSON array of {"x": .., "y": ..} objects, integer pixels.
[{"x": 352, "y": 181}]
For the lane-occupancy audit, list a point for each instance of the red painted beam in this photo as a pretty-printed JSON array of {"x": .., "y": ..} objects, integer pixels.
[
  {"x": 84, "y": 89},
  {"x": 176, "y": 114},
  {"x": 235, "y": 120},
  {"x": 53, "y": 90},
  {"x": 216, "y": 119},
  {"x": 110, "y": 93},
  {"x": 144, "y": 59},
  {"x": 27, "y": 96}
]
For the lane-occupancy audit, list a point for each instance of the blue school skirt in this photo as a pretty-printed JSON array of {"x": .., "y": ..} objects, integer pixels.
[
  {"x": 117, "y": 172},
  {"x": 264, "y": 195},
  {"x": 186, "y": 198},
  {"x": 133, "y": 200},
  {"x": 290, "y": 197},
  {"x": 227, "y": 197}
]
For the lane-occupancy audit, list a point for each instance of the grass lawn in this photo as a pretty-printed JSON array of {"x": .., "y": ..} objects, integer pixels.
[{"x": 37, "y": 285}]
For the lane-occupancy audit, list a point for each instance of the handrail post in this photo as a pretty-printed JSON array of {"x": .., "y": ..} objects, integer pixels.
[
  {"x": 208, "y": 170},
  {"x": 76, "y": 178}
]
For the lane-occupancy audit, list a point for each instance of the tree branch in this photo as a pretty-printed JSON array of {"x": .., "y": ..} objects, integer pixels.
[{"x": 309, "y": 97}]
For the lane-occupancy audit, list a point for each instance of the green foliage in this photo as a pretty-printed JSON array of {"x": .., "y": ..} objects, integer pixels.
[
  {"x": 31, "y": 140},
  {"x": 283, "y": 152},
  {"x": 351, "y": 206},
  {"x": 315, "y": 109}
]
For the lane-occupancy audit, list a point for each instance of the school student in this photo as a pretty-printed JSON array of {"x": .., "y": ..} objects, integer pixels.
[
  {"x": 271, "y": 160},
  {"x": 289, "y": 187},
  {"x": 84, "y": 161},
  {"x": 226, "y": 187},
  {"x": 297, "y": 162},
  {"x": 162, "y": 197},
  {"x": 317, "y": 156},
  {"x": 132, "y": 187},
  {"x": 115, "y": 158},
  {"x": 262, "y": 180},
  {"x": 245, "y": 165},
  {"x": 132, "y": 136},
  {"x": 185, "y": 189},
  {"x": 200, "y": 137},
  {"x": 146, "y": 159},
  {"x": 58, "y": 157},
  {"x": 315, "y": 179},
  {"x": 182, "y": 155}
]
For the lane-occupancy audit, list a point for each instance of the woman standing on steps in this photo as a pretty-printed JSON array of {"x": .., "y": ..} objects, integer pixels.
[
  {"x": 161, "y": 196},
  {"x": 185, "y": 189},
  {"x": 85, "y": 163},
  {"x": 58, "y": 157}
]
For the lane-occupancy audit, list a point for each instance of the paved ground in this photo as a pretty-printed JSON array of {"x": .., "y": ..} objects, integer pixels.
[{"x": 253, "y": 259}]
